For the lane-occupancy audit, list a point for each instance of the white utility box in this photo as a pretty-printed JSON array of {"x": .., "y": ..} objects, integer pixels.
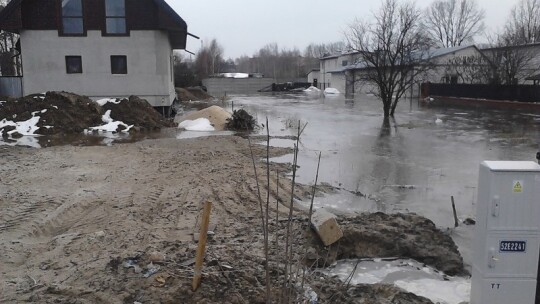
[{"x": 507, "y": 240}]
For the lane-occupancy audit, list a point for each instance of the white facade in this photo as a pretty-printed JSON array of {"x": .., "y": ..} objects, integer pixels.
[
  {"x": 340, "y": 72},
  {"x": 149, "y": 65}
]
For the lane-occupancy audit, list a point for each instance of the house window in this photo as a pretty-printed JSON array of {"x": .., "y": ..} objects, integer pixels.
[
  {"x": 72, "y": 17},
  {"x": 73, "y": 64},
  {"x": 115, "y": 12},
  {"x": 119, "y": 64},
  {"x": 344, "y": 63}
]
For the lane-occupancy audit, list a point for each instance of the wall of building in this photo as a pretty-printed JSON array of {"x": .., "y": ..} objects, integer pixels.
[
  {"x": 223, "y": 86},
  {"x": 312, "y": 76},
  {"x": 149, "y": 65}
]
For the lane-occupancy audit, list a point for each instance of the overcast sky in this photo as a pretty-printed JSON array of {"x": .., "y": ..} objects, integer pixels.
[{"x": 243, "y": 26}]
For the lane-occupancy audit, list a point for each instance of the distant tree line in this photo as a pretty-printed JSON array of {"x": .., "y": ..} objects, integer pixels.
[{"x": 270, "y": 61}]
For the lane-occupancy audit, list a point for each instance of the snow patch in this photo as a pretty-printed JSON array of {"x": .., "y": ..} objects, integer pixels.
[
  {"x": 2, "y": 101},
  {"x": 409, "y": 275},
  {"x": 331, "y": 91},
  {"x": 200, "y": 124},
  {"x": 110, "y": 124},
  {"x": 104, "y": 101},
  {"x": 25, "y": 128},
  {"x": 312, "y": 89}
]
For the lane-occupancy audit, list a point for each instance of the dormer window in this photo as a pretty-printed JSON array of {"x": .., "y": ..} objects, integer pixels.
[
  {"x": 115, "y": 17},
  {"x": 72, "y": 17}
]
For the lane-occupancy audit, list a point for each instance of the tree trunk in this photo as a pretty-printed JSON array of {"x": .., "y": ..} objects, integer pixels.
[{"x": 386, "y": 108}]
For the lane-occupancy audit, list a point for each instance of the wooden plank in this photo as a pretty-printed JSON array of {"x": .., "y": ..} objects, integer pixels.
[
  {"x": 202, "y": 245},
  {"x": 326, "y": 226}
]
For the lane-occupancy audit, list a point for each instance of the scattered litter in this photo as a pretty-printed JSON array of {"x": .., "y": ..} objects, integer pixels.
[
  {"x": 151, "y": 269},
  {"x": 132, "y": 263},
  {"x": 161, "y": 280},
  {"x": 438, "y": 121}
]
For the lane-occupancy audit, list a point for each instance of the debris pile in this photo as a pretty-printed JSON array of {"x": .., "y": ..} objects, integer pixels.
[
  {"x": 68, "y": 113},
  {"x": 241, "y": 121}
]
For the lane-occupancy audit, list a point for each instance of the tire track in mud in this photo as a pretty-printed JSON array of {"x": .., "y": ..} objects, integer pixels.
[
  {"x": 67, "y": 216},
  {"x": 23, "y": 213}
]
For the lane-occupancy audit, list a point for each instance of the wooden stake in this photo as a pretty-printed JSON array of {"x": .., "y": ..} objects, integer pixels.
[
  {"x": 456, "y": 222},
  {"x": 202, "y": 245}
]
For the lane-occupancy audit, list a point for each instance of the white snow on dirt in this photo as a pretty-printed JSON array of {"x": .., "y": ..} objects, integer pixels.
[
  {"x": 104, "y": 101},
  {"x": 25, "y": 128},
  {"x": 331, "y": 91},
  {"x": 110, "y": 124},
  {"x": 200, "y": 124},
  {"x": 409, "y": 275},
  {"x": 312, "y": 89}
]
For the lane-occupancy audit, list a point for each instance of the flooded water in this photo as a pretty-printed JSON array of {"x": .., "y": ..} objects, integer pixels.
[{"x": 414, "y": 162}]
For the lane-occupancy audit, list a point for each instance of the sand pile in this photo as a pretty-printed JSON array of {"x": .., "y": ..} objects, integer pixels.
[{"x": 216, "y": 115}]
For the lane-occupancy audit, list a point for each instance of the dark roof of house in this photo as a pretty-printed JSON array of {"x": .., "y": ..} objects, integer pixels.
[{"x": 167, "y": 20}]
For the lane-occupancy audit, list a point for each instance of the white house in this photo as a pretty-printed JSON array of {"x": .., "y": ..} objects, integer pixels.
[
  {"x": 341, "y": 71},
  {"x": 97, "y": 48}
]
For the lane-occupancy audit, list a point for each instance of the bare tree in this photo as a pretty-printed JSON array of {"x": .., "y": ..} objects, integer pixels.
[
  {"x": 215, "y": 51},
  {"x": 452, "y": 23},
  {"x": 393, "y": 50},
  {"x": 512, "y": 58},
  {"x": 524, "y": 24}
]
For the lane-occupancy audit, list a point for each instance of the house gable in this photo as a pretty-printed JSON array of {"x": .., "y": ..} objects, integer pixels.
[{"x": 140, "y": 15}]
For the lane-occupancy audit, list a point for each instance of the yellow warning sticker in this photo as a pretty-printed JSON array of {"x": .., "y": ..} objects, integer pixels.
[{"x": 518, "y": 187}]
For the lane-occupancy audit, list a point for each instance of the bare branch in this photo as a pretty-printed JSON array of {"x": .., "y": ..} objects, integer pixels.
[{"x": 451, "y": 23}]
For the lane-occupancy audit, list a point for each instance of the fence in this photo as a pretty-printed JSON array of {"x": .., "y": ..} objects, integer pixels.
[
  {"x": 523, "y": 93},
  {"x": 11, "y": 86},
  {"x": 221, "y": 86}
]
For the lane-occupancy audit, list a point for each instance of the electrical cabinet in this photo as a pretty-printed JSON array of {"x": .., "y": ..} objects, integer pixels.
[{"x": 506, "y": 244}]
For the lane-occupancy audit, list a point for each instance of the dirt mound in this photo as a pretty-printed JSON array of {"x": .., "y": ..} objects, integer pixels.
[
  {"x": 216, "y": 115},
  {"x": 199, "y": 93},
  {"x": 192, "y": 94},
  {"x": 67, "y": 113},
  {"x": 138, "y": 112},
  {"x": 184, "y": 95},
  {"x": 394, "y": 235}
]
